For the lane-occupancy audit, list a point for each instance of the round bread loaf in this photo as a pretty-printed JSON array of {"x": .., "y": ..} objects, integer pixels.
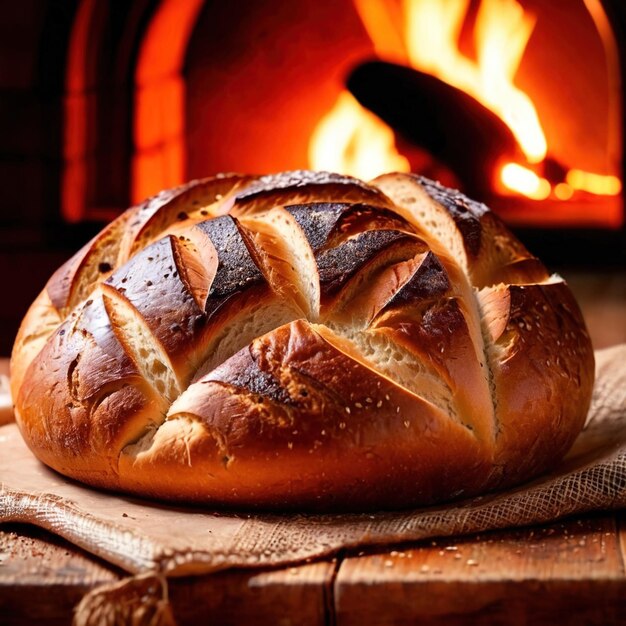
[{"x": 303, "y": 341}]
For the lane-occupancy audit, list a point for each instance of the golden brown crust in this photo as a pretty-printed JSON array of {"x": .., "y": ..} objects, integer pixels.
[
  {"x": 174, "y": 209},
  {"x": 327, "y": 345},
  {"x": 542, "y": 365},
  {"x": 282, "y": 403},
  {"x": 302, "y": 186}
]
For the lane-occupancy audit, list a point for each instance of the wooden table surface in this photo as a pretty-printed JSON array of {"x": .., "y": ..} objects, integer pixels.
[{"x": 569, "y": 572}]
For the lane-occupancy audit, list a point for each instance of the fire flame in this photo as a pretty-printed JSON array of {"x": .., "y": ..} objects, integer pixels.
[
  {"x": 425, "y": 34},
  {"x": 502, "y": 32},
  {"x": 594, "y": 183},
  {"x": 351, "y": 140},
  {"x": 525, "y": 181}
]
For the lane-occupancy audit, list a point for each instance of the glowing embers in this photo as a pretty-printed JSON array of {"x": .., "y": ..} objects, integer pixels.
[{"x": 523, "y": 180}]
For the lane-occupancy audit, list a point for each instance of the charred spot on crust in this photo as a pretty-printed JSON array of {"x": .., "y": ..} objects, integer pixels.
[
  {"x": 295, "y": 180},
  {"x": 465, "y": 212},
  {"x": 442, "y": 319},
  {"x": 338, "y": 264},
  {"x": 236, "y": 270},
  {"x": 281, "y": 188},
  {"x": 362, "y": 216},
  {"x": 244, "y": 373},
  {"x": 322, "y": 221},
  {"x": 430, "y": 280},
  {"x": 317, "y": 220},
  {"x": 137, "y": 274}
]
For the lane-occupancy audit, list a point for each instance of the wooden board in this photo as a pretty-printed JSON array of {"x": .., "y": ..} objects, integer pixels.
[
  {"x": 43, "y": 577},
  {"x": 567, "y": 573}
]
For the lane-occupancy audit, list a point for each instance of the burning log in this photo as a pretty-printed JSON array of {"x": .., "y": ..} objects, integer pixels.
[{"x": 452, "y": 125}]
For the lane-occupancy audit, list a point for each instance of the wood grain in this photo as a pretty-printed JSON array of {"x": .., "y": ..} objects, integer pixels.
[
  {"x": 621, "y": 535},
  {"x": 566, "y": 573},
  {"x": 295, "y": 596},
  {"x": 43, "y": 577},
  {"x": 570, "y": 573}
]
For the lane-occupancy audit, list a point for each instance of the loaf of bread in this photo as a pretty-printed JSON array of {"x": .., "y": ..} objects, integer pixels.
[{"x": 303, "y": 341}]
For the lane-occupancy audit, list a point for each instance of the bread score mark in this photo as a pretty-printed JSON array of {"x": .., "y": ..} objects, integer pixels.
[
  {"x": 141, "y": 344},
  {"x": 302, "y": 186},
  {"x": 436, "y": 336},
  {"x": 172, "y": 211},
  {"x": 281, "y": 250},
  {"x": 74, "y": 281},
  {"x": 284, "y": 397}
]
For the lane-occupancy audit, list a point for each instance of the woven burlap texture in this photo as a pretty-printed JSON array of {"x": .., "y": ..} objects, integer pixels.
[{"x": 148, "y": 537}]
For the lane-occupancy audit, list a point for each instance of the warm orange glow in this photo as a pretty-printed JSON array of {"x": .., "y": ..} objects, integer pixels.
[
  {"x": 563, "y": 191},
  {"x": 594, "y": 183},
  {"x": 77, "y": 104},
  {"x": 159, "y": 159},
  {"x": 502, "y": 32},
  {"x": 383, "y": 22},
  {"x": 611, "y": 50},
  {"x": 524, "y": 181},
  {"x": 425, "y": 34},
  {"x": 351, "y": 140},
  {"x": 521, "y": 180}
]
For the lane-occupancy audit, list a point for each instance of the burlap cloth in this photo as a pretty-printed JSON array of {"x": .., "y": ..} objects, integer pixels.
[{"x": 143, "y": 537}]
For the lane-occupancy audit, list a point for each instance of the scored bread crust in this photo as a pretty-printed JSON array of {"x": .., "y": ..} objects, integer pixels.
[{"x": 303, "y": 341}]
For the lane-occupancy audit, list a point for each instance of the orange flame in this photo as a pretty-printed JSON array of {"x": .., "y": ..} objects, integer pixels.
[
  {"x": 425, "y": 34},
  {"x": 525, "y": 181},
  {"x": 502, "y": 32},
  {"x": 594, "y": 183},
  {"x": 351, "y": 140}
]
